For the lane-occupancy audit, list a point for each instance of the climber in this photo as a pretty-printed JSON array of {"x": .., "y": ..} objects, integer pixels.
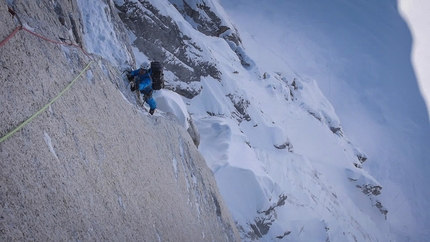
[{"x": 143, "y": 83}]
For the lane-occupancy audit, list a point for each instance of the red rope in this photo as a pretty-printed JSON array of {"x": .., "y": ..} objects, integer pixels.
[
  {"x": 56, "y": 42},
  {"x": 10, "y": 36},
  {"x": 42, "y": 37}
]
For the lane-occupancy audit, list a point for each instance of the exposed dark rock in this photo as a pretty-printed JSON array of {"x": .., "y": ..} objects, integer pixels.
[
  {"x": 282, "y": 236},
  {"x": 210, "y": 24},
  {"x": 218, "y": 208},
  {"x": 160, "y": 38},
  {"x": 262, "y": 224},
  {"x": 245, "y": 60},
  {"x": 280, "y": 203},
  {"x": 294, "y": 84},
  {"x": 59, "y": 11},
  {"x": 241, "y": 106},
  {"x": 336, "y": 130},
  {"x": 75, "y": 30},
  {"x": 370, "y": 189},
  {"x": 287, "y": 144},
  {"x": 187, "y": 92},
  {"x": 315, "y": 115},
  {"x": 381, "y": 208},
  {"x": 247, "y": 235},
  {"x": 362, "y": 158}
]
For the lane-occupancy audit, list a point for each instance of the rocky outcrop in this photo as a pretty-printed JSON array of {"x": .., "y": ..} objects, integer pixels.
[
  {"x": 160, "y": 38},
  {"x": 369, "y": 188},
  {"x": 207, "y": 20},
  {"x": 263, "y": 222},
  {"x": 204, "y": 16},
  {"x": 372, "y": 191},
  {"x": 92, "y": 166},
  {"x": 287, "y": 145},
  {"x": 241, "y": 105}
]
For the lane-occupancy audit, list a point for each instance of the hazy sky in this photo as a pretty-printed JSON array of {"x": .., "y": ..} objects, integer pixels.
[{"x": 415, "y": 13}]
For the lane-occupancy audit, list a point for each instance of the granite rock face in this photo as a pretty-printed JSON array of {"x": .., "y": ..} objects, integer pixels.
[{"x": 92, "y": 166}]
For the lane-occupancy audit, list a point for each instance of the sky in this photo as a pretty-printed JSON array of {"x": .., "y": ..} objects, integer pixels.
[{"x": 354, "y": 85}]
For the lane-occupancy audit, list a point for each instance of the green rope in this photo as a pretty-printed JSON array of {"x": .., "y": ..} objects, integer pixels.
[{"x": 45, "y": 107}]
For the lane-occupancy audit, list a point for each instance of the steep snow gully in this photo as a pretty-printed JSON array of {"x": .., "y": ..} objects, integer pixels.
[{"x": 244, "y": 144}]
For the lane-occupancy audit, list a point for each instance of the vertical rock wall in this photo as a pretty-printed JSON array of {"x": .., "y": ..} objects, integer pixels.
[{"x": 92, "y": 166}]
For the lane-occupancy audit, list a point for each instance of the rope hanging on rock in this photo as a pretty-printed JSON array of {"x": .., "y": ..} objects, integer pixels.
[
  {"x": 46, "y": 106},
  {"x": 37, "y": 35},
  {"x": 11, "y": 11}
]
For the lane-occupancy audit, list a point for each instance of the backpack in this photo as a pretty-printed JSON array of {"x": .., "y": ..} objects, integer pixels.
[{"x": 157, "y": 75}]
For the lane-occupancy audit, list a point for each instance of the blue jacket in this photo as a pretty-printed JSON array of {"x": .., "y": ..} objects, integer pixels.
[
  {"x": 144, "y": 81},
  {"x": 144, "y": 84}
]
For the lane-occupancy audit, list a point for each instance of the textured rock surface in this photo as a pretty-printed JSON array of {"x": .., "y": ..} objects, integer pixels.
[{"x": 92, "y": 167}]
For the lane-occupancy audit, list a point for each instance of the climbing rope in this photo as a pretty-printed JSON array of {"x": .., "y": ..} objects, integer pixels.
[
  {"x": 46, "y": 106},
  {"x": 62, "y": 92},
  {"x": 10, "y": 36},
  {"x": 42, "y": 37},
  {"x": 56, "y": 42},
  {"x": 21, "y": 27}
]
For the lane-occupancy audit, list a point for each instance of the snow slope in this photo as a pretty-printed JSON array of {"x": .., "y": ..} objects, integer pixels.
[{"x": 359, "y": 55}]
